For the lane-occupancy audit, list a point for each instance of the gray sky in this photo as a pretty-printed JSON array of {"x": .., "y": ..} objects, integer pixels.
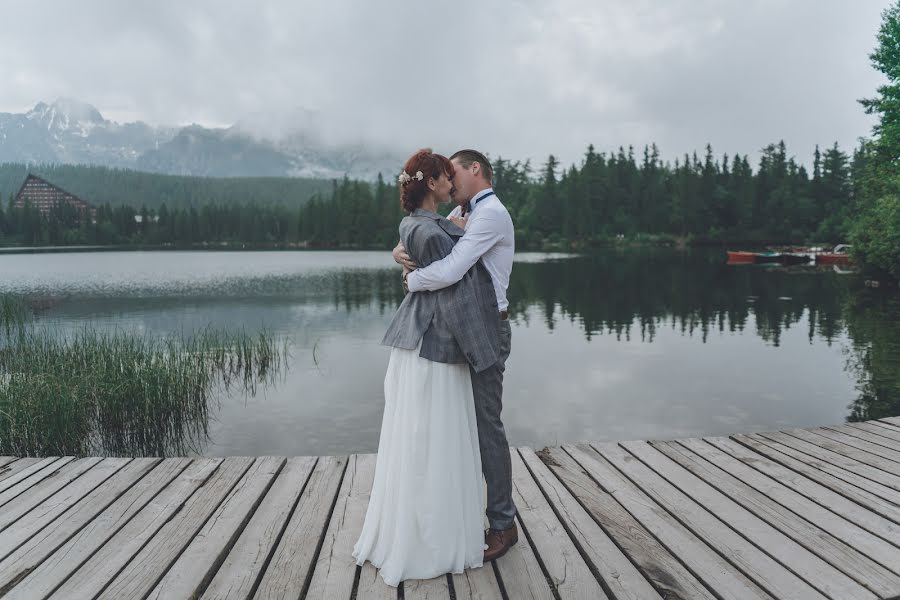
[{"x": 516, "y": 78}]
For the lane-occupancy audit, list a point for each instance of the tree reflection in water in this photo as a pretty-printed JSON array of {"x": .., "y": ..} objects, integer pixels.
[{"x": 637, "y": 292}]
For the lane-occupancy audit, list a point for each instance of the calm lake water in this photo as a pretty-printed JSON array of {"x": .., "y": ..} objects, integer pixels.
[{"x": 622, "y": 345}]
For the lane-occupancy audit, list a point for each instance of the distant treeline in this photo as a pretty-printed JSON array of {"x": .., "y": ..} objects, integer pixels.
[
  {"x": 103, "y": 185},
  {"x": 605, "y": 197},
  {"x": 610, "y": 195}
]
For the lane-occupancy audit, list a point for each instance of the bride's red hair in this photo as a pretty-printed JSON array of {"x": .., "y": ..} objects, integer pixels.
[{"x": 413, "y": 191}]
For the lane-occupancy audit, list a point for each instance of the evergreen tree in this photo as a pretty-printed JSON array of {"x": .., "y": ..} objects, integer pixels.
[{"x": 875, "y": 232}]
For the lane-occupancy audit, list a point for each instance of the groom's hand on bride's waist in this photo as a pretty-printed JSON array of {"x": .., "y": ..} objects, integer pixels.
[{"x": 402, "y": 258}]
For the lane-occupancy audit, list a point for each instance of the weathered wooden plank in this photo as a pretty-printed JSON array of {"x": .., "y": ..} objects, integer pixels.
[
  {"x": 328, "y": 569},
  {"x": 705, "y": 563},
  {"x": 149, "y": 565},
  {"x": 335, "y": 568},
  {"x": 607, "y": 561},
  {"x": 569, "y": 574},
  {"x": 848, "y": 450},
  {"x": 93, "y": 575},
  {"x": 291, "y": 570},
  {"x": 874, "y": 547},
  {"x": 823, "y": 474},
  {"x": 477, "y": 584},
  {"x": 14, "y": 468},
  {"x": 370, "y": 584},
  {"x": 822, "y": 495},
  {"x": 66, "y": 498},
  {"x": 243, "y": 568},
  {"x": 19, "y": 481},
  {"x": 188, "y": 576},
  {"x": 668, "y": 576},
  {"x": 520, "y": 573},
  {"x": 127, "y": 498},
  {"x": 427, "y": 589},
  {"x": 885, "y": 425},
  {"x": 824, "y": 561},
  {"x": 847, "y": 463},
  {"x": 106, "y": 544},
  {"x": 750, "y": 560},
  {"x": 895, "y": 421},
  {"x": 862, "y": 440},
  {"x": 22, "y": 503},
  {"x": 6, "y": 460},
  {"x": 889, "y": 436}
]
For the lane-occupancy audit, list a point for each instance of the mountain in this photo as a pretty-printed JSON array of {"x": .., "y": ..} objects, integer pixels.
[
  {"x": 196, "y": 150},
  {"x": 72, "y": 132}
]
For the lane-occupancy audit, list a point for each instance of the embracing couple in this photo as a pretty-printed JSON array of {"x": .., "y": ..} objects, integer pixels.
[{"x": 443, "y": 389}]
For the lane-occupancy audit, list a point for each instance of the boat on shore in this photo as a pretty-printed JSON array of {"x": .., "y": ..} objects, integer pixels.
[
  {"x": 743, "y": 257},
  {"x": 792, "y": 256},
  {"x": 838, "y": 256}
]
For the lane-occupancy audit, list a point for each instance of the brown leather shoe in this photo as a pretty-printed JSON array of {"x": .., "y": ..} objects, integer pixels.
[{"x": 499, "y": 541}]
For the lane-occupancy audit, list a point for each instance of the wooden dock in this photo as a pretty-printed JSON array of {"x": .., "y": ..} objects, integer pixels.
[{"x": 792, "y": 514}]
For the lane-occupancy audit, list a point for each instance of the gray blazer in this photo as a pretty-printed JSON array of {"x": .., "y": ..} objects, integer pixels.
[{"x": 460, "y": 323}]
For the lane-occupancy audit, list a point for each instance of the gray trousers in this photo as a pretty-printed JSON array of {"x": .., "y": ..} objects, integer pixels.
[{"x": 495, "y": 462}]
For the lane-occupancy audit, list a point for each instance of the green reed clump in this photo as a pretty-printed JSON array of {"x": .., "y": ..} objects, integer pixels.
[{"x": 96, "y": 393}]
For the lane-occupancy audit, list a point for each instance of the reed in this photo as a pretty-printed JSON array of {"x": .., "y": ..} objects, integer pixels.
[{"x": 113, "y": 394}]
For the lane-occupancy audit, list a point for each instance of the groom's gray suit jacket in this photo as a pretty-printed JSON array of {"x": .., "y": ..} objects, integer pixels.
[{"x": 457, "y": 324}]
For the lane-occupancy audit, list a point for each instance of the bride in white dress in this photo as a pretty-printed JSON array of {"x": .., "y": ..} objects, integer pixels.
[{"x": 426, "y": 511}]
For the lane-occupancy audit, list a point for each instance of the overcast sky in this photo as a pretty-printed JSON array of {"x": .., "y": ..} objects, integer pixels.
[{"x": 517, "y": 79}]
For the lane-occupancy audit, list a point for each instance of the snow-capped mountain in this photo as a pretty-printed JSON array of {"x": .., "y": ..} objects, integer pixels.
[{"x": 69, "y": 131}]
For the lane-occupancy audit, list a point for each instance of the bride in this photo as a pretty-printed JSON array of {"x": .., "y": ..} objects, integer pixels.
[{"x": 426, "y": 509}]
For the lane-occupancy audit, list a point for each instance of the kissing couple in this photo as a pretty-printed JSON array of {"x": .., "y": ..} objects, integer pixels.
[{"x": 443, "y": 389}]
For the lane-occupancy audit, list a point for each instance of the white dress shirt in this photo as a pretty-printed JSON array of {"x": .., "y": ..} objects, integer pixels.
[{"x": 489, "y": 236}]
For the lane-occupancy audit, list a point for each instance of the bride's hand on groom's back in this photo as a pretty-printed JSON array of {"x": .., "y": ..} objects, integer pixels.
[{"x": 402, "y": 258}]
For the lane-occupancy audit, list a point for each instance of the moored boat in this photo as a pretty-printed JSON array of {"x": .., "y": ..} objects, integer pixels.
[
  {"x": 838, "y": 256},
  {"x": 793, "y": 258},
  {"x": 744, "y": 257},
  {"x": 740, "y": 257}
]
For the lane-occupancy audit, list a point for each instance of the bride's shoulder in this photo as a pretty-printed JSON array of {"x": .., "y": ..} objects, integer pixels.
[
  {"x": 418, "y": 231},
  {"x": 416, "y": 222}
]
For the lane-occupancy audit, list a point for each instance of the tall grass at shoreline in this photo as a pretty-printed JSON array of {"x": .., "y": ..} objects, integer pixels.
[{"x": 108, "y": 394}]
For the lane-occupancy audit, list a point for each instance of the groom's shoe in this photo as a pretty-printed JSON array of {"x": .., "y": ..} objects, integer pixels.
[{"x": 498, "y": 541}]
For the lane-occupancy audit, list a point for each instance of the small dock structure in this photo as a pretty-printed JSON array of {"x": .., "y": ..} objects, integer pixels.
[{"x": 795, "y": 514}]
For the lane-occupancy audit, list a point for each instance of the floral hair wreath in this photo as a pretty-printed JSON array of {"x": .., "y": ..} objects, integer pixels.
[{"x": 406, "y": 177}]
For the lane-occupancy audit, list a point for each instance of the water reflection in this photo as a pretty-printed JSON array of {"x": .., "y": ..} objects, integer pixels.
[{"x": 634, "y": 344}]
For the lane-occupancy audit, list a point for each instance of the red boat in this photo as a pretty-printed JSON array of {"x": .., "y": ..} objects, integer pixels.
[
  {"x": 743, "y": 257},
  {"x": 832, "y": 258},
  {"x": 735, "y": 258},
  {"x": 838, "y": 257}
]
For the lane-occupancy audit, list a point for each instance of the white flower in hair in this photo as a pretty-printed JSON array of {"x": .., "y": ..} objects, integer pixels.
[{"x": 406, "y": 177}]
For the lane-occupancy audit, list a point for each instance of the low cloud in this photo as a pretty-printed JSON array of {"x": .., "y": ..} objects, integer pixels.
[{"x": 518, "y": 79}]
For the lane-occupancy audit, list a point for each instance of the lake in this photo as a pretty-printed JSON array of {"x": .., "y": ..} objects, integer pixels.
[{"x": 631, "y": 344}]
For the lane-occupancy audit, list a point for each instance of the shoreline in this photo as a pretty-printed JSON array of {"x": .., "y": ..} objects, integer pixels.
[{"x": 579, "y": 248}]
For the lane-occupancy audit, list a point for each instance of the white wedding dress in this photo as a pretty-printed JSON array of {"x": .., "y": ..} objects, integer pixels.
[{"x": 426, "y": 510}]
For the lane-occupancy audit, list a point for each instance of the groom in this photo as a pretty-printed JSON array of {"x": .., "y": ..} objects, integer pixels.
[{"x": 490, "y": 238}]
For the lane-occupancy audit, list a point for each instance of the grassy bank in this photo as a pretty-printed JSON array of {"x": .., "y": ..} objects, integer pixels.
[{"x": 109, "y": 394}]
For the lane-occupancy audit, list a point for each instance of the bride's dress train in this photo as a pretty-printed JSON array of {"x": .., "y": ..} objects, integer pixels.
[{"x": 426, "y": 511}]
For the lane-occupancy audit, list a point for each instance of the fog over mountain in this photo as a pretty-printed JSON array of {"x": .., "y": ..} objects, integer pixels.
[{"x": 73, "y": 132}]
